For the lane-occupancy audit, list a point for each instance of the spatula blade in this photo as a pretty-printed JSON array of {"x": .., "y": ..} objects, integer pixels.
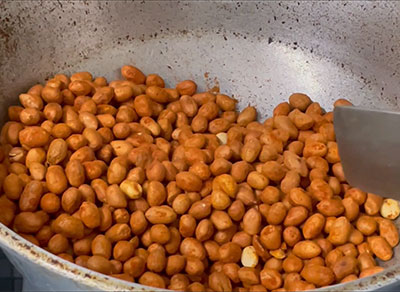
[{"x": 369, "y": 148}]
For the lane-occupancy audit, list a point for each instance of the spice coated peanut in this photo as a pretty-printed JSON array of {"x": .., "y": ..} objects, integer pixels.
[{"x": 174, "y": 188}]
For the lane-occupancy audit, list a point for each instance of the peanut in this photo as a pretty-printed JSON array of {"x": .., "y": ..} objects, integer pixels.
[
  {"x": 390, "y": 209},
  {"x": 306, "y": 249},
  {"x": 176, "y": 189}
]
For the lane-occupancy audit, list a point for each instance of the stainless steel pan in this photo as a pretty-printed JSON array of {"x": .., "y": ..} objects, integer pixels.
[{"x": 258, "y": 51}]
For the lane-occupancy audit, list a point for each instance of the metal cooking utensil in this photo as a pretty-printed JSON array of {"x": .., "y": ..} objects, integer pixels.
[{"x": 369, "y": 148}]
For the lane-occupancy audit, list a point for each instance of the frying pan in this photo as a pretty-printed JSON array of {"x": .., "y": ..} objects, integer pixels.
[{"x": 260, "y": 52}]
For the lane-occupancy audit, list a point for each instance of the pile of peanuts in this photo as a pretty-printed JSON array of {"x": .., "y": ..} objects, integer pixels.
[{"x": 175, "y": 189}]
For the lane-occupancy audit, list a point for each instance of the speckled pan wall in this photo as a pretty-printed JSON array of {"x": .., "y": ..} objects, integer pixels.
[{"x": 260, "y": 52}]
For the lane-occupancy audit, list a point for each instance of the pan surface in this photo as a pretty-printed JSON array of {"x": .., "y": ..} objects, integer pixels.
[{"x": 259, "y": 51}]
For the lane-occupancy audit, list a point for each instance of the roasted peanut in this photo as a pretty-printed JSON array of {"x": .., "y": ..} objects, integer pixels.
[
  {"x": 172, "y": 188},
  {"x": 230, "y": 252},
  {"x": 131, "y": 188},
  {"x": 135, "y": 266},
  {"x": 89, "y": 214},
  {"x": 270, "y": 236},
  {"x": 340, "y": 231},
  {"x": 101, "y": 246},
  {"x": 366, "y": 224},
  {"x": 366, "y": 261},
  {"x": 388, "y": 230},
  {"x": 50, "y": 203},
  {"x": 221, "y": 220},
  {"x": 187, "y": 225},
  {"x": 390, "y": 209},
  {"x": 306, "y": 249},
  {"x": 71, "y": 200},
  {"x": 188, "y": 181},
  {"x": 133, "y": 74},
  {"x": 160, "y": 215},
  {"x": 100, "y": 188},
  {"x": 69, "y": 226},
  {"x": 13, "y": 186},
  {"x": 291, "y": 235},
  {"x": 28, "y": 222},
  {"x": 56, "y": 180},
  {"x": 204, "y": 230},
  {"x": 373, "y": 204},
  {"x": 270, "y": 279},
  {"x": 299, "y": 101},
  {"x": 330, "y": 207},
  {"x": 252, "y": 221},
  {"x": 99, "y": 264},
  {"x": 313, "y": 226},
  {"x": 318, "y": 275},
  {"x": 380, "y": 247},
  {"x": 187, "y": 87},
  {"x": 370, "y": 271},
  {"x": 246, "y": 116},
  {"x": 273, "y": 170},
  {"x": 295, "y": 216},
  {"x": 345, "y": 266},
  {"x": 30, "y": 197},
  {"x": 249, "y": 257},
  {"x": 349, "y": 278},
  {"x": 218, "y": 281},
  {"x": 58, "y": 244},
  {"x": 32, "y": 137}
]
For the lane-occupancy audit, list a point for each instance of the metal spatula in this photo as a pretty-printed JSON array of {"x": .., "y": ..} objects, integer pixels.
[{"x": 369, "y": 148}]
